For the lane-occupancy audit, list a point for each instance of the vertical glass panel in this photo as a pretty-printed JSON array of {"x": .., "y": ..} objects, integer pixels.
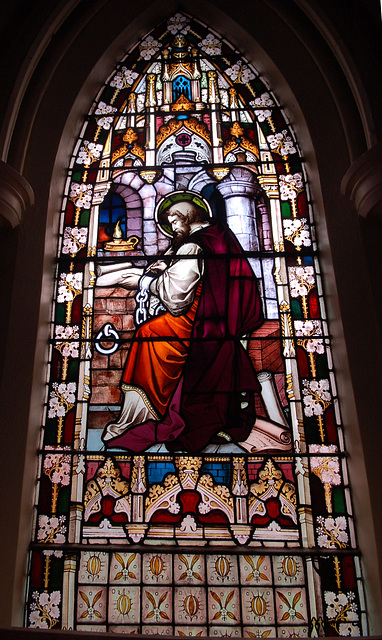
[{"x": 192, "y": 467}]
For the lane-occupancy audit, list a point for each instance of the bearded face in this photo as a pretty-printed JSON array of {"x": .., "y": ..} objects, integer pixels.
[
  {"x": 179, "y": 224},
  {"x": 180, "y": 216},
  {"x": 181, "y": 232}
]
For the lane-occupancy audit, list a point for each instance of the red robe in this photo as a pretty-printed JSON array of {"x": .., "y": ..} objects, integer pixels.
[{"x": 214, "y": 389}]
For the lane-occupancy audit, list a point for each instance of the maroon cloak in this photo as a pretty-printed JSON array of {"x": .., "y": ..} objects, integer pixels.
[{"x": 215, "y": 391}]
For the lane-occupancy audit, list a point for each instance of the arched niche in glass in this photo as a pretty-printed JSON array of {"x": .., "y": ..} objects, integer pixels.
[{"x": 192, "y": 464}]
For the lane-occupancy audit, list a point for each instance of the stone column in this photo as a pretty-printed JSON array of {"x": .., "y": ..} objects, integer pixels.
[
  {"x": 150, "y": 119},
  {"x": 195, "y": 82},
  {"x": 214, "y": 101},
  {"x": 362, "y": 182},
  {"x": 167, "y": 84},
  {"x": 149, "y": 227},
  {"x": 131, "y": 110},
  {"x": 16, "y": 196},
  {"x": 239, "y": 190}
]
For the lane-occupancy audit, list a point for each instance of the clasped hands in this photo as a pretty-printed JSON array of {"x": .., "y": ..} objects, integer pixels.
[{"x": 131, "y": 275}]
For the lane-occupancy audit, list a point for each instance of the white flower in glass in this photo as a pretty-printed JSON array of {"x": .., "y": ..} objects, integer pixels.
[
  {"x": 57, "y": 467},
  {"x": 309, "y": 329},
  {"x": 89, "y": 152},
  {"x": 123, "y": 78},
  {"x": 336, "y": 602},
  {"x": 262, "y": 115},
  {"x": 104, "y": 109},
  {"x": 211, "y": 45},
  {"x": 62, "y": 332},
  {"x": 70, "y": 350},
  {"x": 288, "y": 147},
  {"x": 67, "y": 391},
  {"x": 301, "y": 281},
  {"x": 290, "y": 185},
  {"x": 297, "y": 231},
  {"x": 105, "y": 122},
  {"x": 240, "y": 72},
  {"x": 74, "y": 239},
  {"x": 346, "y": 629},
  {"x": 326, "y": 468},
  {"x": 332, "y": 532},
  {"x": 66, "y": 337},
  {"x": 264, "y": 100},
  {"x": 45, "y": 611},
  {"x": 81, "y": 195},
  {"x": 275, "y": 139},
  {"x": 281, "y": 143},
  {"x": 178, "y": 23},
  {"x": 56, "y": 408},
  {"x": 69, "y": 286},
  {"x": 51, "y": 530},
  {"x": 341, "y": 611},
  {"x": 61, "y": 399},
  {"x": 290, "y": 227},
  {"x": 148, "y": 47},
  {"x": 316, "y": 396},
  {"x": 50, "y": 552}
]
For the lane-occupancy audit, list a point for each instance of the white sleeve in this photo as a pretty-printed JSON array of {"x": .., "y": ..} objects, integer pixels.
[{"x": 176, "y": 286}]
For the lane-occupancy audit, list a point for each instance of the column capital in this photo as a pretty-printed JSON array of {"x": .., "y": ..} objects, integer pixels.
[
  {"x": 240, "y": 182},
  {"x": 16, "y": 196},
  {"x": 362, "y": 183}
]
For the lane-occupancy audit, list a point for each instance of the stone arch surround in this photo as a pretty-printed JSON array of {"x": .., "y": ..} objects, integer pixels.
[{"x": 338, "y": 135}]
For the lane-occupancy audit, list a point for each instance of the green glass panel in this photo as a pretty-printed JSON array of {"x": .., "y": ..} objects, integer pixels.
[
  {"x": 286, "y": 210},
  {"x": 339, "y": 504}
]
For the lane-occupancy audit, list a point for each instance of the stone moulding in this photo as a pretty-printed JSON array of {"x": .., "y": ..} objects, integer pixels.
[
  {"x": 16, "y": 196},
  {"x": 362, "y": 183}
]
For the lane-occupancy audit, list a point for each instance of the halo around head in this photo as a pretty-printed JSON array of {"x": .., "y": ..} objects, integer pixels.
[{"x": 174, "y": 198}]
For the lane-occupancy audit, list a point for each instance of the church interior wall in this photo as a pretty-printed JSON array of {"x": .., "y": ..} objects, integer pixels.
[{"x": 326, "y": 73}]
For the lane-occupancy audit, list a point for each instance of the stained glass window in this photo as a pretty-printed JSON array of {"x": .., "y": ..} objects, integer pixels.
[{"x": 192, "y": 466}]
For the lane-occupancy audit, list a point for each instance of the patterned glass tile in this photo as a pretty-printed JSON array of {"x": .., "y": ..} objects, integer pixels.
[
  {"x": 94, "y": 628},
  {"x": 222, "y": 569},
  {"x": 255, "y": 570},
  {"x": 291, "y": 606},
  {"x": 191, "y": 632},
  {"x": 127, "y": 629},
  {"x": 124, "y": 605},
  {"x": 259, "y": 632},
  {"x": 225, "y": 632},
  {"x": 288, "y": 570},
  {"x": 157, "y": 631},
  {"x": 125, "y": 568},
  {"x": 224, "y": 606},
  {"x": 190, "y": 605},
  {"x": 156, "y": 605},
  {"x": 189, "y": 568},
  {"x": 258, "y": 606},
  {"x": 292, "y": 632},
  {"x": 91, "y": 604},
  {"x": 157, "y": 568},
  {"x": 94, "y": 567}
]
